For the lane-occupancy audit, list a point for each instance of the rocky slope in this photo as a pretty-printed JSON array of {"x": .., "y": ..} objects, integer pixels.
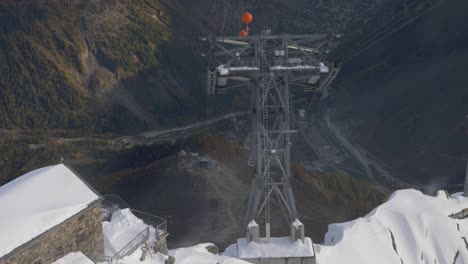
[
  {"x": 406, "y": 100},
  {"x": 62, "y": 62}
]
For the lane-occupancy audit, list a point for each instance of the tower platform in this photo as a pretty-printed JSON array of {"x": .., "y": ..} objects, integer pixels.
[{"x": 280, "y": 250}]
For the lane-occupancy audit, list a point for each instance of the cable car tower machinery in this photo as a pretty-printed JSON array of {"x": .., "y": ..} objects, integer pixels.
[{"x": 269, "y": 65}]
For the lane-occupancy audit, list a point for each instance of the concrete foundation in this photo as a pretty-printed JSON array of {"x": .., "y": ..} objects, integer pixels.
[
  {"x": 281, "y": 250},
  {"x": 297, "y": 231},
  {"x": 253, "y": 232}
]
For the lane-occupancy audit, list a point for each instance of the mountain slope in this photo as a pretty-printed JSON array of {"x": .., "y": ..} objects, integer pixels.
[
  {"x": 126, "y": 65},
  {"x": 57, "y": 57},
  {"x": 406, "y": 100}
]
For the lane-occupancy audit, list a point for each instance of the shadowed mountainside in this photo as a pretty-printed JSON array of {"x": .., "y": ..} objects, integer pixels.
[
  {"x": 206, "y": 201},
  {"x": 124, "y": 66},
  {"x": 406, "y": 99}
]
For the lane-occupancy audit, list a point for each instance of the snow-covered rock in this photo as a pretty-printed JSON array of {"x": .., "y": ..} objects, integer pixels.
[
  {"x": 409, "y": 228},
  {"x": 121, "y": 229}
]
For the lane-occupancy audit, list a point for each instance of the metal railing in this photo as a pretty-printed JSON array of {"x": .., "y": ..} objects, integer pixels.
[
  {"x": 251, "y": 63},
  {"x": 159, "y": 223},
  {"x": 131, "y": 246},
  {"x": 113, "y": 203},
  {"x": 112, "y": 199},
  {"x": 291, "y": 62}
]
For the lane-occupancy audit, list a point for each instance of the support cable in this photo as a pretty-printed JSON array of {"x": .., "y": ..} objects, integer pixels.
[{"x": 390, "y": 33}]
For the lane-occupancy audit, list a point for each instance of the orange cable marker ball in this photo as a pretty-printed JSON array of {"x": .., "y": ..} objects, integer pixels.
[
  {"x": 247, "y": 18},
  {"x": 243, "y": 33}
]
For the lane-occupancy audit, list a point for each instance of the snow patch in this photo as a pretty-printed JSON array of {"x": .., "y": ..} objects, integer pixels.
[
  {"x": 134, "y": 258},
  {"x": 121, "y": 229},
  {"x": 297, "y": 223},
  {"x": 410, "y": 227},
  {"x": 252, "y": 224},
  {"x": 277, "y": 247},
  {"x": 223, "y": 70},
  {"x": 297, "y": 67},
  {"x": 199, "y": 255},
  {"x": 74, "y": 258},
  {"x": 324, "y": 68}
]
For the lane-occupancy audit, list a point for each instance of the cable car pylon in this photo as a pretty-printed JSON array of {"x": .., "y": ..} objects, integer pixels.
[{"x": 269, "y": 65}]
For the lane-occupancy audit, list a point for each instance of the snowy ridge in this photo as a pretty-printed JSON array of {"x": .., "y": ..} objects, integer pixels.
[
  {"x": 38, "y": 201},
  {"x": 410, "y": 228}
]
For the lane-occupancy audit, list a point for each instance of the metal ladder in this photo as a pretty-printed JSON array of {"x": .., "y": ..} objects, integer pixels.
[
  {"x": 334, "y": 71},
  {"x": 265, "y": 122}
]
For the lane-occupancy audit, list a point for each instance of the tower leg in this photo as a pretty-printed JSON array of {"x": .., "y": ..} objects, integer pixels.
[
  {"x": 465, "y": 191},
  {"x": 267, "y": 232}
]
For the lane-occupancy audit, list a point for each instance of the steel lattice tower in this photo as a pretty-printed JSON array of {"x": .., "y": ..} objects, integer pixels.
[{"x": 269, "y": 65}]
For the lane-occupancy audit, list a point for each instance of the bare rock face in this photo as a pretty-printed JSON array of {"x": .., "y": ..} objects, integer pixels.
[
  {"x": 460, "y": 215},
  {"x": 213, "y": 249},
  {"x": 170, "y": 260}
]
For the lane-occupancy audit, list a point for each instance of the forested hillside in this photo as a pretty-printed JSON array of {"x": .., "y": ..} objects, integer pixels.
[{"x": 58, "y": 59}]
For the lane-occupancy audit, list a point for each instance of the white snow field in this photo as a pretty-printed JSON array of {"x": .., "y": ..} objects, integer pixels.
[
  {"x": 409, "y": 228},
  {"x": 199, "y": 255},
  {"x": 134, "y": 258},
  {"x": 123, "y": 227},
  {"x": 38, "y": 201},
  {"x": 74, "y": 258},
  {"x": 277, "y": 248}
]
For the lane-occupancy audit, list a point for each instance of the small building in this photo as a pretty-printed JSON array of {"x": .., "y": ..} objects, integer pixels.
[{"x": 47, "y": 214}]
